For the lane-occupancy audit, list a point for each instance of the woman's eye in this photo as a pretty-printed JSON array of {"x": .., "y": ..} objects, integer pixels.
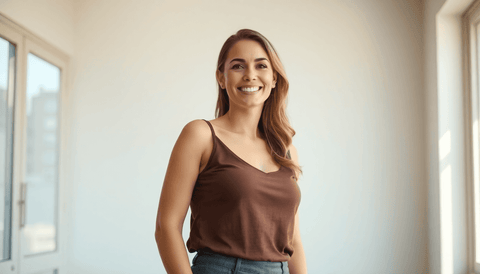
[{"x": 238, "y": 66}]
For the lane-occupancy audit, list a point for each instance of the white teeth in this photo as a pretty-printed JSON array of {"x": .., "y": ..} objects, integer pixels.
[{"x": 250, "y": 89}]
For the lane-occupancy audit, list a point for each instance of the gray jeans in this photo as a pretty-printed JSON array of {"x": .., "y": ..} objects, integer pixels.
[{"x": 208, "y": 262}]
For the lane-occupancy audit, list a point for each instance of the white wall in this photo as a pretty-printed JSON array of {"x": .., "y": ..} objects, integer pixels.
[
  {"x": 51, "y": 20},
  {"x": 142, "y": 71},
  {"x": 356, "y": 101}
]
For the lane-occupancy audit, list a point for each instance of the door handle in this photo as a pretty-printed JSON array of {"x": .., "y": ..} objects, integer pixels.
[{"x": 23, "y": 198}]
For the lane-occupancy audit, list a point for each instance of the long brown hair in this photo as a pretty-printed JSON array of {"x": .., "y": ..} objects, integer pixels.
[{"x": 274, "y": 126}]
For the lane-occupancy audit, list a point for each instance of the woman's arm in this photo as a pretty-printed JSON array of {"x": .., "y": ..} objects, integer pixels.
[
  {"x": 297, "y": 263},
  {"x": 180, "y": 178},
  {"x": 172, "y": 251}
]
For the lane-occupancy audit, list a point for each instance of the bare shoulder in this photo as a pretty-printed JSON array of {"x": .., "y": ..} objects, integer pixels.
[
  {"x": 197, "y": 128},
  {"x": 198, "y": 134}
]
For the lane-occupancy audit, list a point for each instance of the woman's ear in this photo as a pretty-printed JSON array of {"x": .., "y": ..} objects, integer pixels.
[{"x": 220, "y": 79}]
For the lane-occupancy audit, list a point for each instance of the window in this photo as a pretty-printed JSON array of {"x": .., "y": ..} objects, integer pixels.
[
  {"x": 50, "y": 123},
  {"x": 49, "y": 139},
  {"x": 32, "y": 93},
  {"x": 50, "y": 106}
]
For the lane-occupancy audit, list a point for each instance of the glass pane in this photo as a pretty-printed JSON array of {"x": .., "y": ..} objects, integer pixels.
[
  {"x": 7, "y": 76},
  {"x": 43, "y": 91}
]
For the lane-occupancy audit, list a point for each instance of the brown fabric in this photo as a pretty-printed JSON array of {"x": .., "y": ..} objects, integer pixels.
[{"x": 241, "y": 211}]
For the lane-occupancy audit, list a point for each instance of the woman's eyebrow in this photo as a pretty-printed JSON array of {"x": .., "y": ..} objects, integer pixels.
[{"x": 243, "y": 60}]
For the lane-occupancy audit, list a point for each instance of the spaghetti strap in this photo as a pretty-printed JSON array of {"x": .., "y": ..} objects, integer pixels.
[
  {"x": 214, "y": 148},
  {"x": 212, "y": 130}
]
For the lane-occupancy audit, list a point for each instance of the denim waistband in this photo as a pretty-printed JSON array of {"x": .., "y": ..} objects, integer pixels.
[{"x": 206, "y": 256}]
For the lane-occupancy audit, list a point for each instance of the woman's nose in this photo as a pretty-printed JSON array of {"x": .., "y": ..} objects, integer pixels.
[{"x": 249, "y": 74}]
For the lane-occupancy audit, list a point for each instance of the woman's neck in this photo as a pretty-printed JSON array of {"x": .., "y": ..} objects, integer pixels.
[{"x": 244, "y": 122}]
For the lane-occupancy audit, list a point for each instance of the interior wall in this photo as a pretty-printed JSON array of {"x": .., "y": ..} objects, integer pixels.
[
  {"x": 51, "y": 20},
  {"x": 356, "y": 101},
  {"x": 142, "y": 71}
]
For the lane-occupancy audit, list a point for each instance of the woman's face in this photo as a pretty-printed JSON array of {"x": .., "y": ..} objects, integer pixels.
[{"x": 248, "y": 75}]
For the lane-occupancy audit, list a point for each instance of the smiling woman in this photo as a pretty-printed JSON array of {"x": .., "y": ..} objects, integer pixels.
[
  {"x": 246, "y": 76},
  {"x": 238, "y": 173}
]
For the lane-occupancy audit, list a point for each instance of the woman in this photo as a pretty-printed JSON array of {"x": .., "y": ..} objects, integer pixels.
[{"x": 237, "y": 172}]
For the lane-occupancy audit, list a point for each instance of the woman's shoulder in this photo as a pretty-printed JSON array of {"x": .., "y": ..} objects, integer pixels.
[
  {"x": 198, "y": 133},
  {"x": 197, "y": 128},
  {"x": 195, "y": 138}
]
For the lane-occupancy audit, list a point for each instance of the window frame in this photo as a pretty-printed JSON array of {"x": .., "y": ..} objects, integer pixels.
[
  {"x": 10, "y": 266},
  {"x": 27, "y": 42},
  {"x": 471, "y": 78}
]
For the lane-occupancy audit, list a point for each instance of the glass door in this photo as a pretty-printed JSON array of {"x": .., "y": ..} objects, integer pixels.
[
  {"x": 40, "y": 188},
  {"x": 32, "y": 188}
]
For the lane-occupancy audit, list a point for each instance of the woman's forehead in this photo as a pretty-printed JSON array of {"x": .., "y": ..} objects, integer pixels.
[{"x": 248, "y": 50}]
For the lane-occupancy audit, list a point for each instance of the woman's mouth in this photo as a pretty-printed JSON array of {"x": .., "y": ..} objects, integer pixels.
[{"x": 249, "y": 89}]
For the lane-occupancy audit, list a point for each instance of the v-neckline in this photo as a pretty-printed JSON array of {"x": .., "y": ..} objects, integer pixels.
[
  {"x": 233, "y": 153},
  {"x": 236, "y": 156}
]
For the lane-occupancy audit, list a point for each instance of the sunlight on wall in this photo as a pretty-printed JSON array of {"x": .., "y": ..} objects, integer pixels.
[
  {"x": 446, "y": 225},
  {"x": 445, "y": 145}
]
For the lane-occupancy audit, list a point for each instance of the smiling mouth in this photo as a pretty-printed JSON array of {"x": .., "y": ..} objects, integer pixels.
[{"x": 252, "y": 89}]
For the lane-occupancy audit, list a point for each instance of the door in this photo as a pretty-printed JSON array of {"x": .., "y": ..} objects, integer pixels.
[{"x": 40, "y": 189}]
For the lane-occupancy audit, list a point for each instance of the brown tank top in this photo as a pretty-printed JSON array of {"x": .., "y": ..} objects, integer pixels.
[{"x": 240, "y": 211}]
